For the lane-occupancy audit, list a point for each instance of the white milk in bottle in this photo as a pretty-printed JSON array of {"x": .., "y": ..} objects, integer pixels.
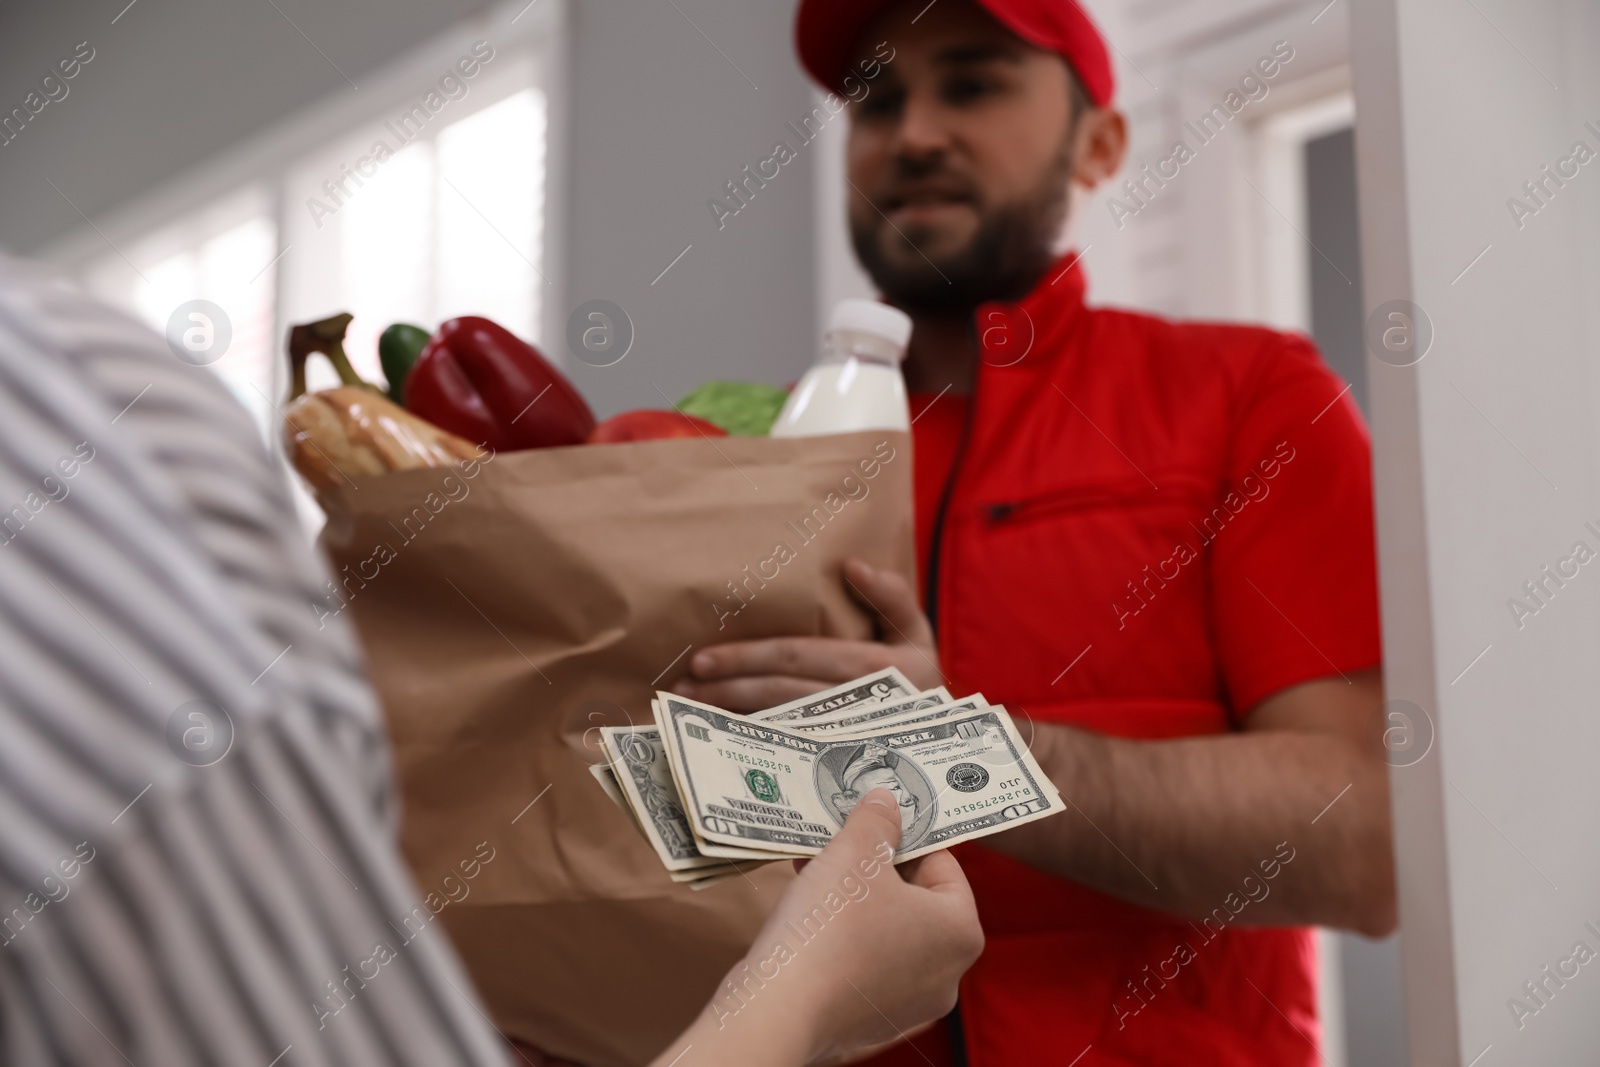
[{"x": 856, "y": 382}]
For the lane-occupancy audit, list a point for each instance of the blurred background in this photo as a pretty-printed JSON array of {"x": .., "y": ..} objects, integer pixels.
[{"x": 232, "y": 153}]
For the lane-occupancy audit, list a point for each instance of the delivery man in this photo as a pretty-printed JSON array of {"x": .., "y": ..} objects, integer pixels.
[{"x": 1153, "y": 538}]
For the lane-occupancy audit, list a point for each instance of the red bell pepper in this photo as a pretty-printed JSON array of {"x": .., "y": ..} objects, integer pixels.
[{"x": 479, "y": 380}]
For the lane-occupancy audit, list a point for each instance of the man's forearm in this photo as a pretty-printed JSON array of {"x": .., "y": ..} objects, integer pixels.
[{"x": 1179, "y": 825}]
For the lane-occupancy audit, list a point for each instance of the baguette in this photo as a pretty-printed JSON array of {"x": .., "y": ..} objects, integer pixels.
[{"x": 337, "y": 434}]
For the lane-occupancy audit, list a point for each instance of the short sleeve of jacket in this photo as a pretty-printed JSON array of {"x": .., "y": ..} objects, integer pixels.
[{"x": 1294, "y": 569}]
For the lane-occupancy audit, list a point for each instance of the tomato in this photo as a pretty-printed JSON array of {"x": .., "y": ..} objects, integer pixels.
[{"x": 652, "y": 425}]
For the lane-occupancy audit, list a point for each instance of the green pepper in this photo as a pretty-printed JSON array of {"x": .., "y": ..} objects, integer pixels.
[{"x": 398, "y": 348}]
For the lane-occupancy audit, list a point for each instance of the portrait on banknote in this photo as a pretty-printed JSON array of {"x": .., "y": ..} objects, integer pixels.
[{"x": 847, "y": 772}]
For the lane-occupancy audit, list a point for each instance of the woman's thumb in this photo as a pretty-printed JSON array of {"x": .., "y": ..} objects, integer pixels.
[{"x": 873, "y": 826}]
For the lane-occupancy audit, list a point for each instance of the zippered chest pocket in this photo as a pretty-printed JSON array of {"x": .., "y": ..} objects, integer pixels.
[
  {"x": 1116, "y": 568},
  {"x": 1176, "y": 491}
]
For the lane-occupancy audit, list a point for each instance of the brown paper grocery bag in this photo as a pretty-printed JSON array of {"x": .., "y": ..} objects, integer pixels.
[{"x": 512, "y": 606}]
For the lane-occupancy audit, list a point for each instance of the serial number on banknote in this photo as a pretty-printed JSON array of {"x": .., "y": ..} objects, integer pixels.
[
  {"x": 740, "y": 757},
  {"x": 990, "y": 802}
]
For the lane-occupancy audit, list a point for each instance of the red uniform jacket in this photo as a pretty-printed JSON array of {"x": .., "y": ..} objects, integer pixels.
[{"x": 1142, "y": 528}]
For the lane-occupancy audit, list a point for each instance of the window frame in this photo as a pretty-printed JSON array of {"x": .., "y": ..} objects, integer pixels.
[{"x": 1281, "y": 255}]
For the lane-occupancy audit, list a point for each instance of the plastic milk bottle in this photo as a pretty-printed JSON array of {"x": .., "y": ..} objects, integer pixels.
[{"x": 855, "y": 383}]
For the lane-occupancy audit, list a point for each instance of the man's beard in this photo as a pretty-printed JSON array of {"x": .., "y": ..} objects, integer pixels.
[{"x": 1004, "y": 259}]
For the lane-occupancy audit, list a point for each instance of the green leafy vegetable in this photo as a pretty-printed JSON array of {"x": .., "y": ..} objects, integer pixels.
[{"x": 744, "y": 409}]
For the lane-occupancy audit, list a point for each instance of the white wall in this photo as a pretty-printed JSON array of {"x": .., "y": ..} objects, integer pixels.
[
  {"x": 660, "y": 121},
  {"x": 1486, "y": 474}
]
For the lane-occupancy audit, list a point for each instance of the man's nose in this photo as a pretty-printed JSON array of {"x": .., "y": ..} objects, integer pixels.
[{"x": 923, "y": 134}]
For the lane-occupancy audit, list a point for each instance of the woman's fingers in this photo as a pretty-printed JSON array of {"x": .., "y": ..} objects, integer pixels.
[
  {"x": 903, "y": 936},
  {"x": 938, "y": 872}
]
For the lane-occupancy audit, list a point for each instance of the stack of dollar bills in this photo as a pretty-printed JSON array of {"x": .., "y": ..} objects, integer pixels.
[{"x": 715, "y": 792}]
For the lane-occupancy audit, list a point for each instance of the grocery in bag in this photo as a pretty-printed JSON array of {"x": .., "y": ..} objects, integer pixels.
[{"x": 511, "y": 606}]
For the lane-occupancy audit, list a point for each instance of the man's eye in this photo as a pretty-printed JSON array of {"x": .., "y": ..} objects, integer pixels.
[
  {"x": 883, "y": 103},
  {"x": 966, "y": 90}
]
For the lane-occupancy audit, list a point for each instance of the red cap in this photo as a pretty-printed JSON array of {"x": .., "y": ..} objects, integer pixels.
[{"x": 826, "y": 30}]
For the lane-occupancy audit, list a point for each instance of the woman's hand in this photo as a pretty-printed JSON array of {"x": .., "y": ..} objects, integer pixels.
[
  {"x": 858, "y": 953},
  {"x": 751, "y": 675}
]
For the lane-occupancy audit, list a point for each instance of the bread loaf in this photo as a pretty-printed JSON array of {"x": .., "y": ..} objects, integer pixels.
[{"x": 338, "y": 434}]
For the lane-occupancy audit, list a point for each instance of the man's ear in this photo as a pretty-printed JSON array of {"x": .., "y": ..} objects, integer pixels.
[{"x": 1102, "y": 142}]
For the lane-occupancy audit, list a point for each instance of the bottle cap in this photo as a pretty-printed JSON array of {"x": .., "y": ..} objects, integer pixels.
[{"x": 870, "y": 316}]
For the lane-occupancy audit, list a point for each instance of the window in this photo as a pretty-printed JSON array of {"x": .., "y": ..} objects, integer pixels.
[
  {"x": 1283, "y": 212},
  {"x": 419, "y": 200},
  {"x": 221, "y": 254},
  {"x": 1309, "y": 261},
  {"x": 450, "y": 224}
]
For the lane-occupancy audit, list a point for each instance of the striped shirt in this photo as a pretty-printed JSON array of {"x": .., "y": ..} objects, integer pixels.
[{"x": 198, "y": 859}]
